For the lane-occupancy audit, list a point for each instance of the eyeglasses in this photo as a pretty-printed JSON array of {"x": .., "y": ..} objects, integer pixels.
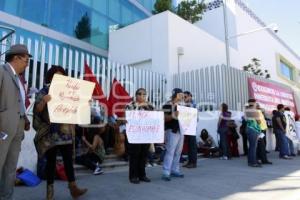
[{"x": 142, "y": 94}]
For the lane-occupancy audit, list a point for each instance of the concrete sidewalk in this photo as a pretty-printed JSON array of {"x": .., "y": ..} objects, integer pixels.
[{"x": 213, "y": 179}]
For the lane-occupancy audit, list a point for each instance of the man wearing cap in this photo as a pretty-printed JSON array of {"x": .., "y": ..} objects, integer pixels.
[
  {"x": 13, "y": 120},
  {"x": 174, "y": 139}
]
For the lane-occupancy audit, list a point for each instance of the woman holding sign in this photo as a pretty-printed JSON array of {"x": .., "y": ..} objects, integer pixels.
[
  {"x": 52, "y": 137},
  {"x": 138, "y": 152}
]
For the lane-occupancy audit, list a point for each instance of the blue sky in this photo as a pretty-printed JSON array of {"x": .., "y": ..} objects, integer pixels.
[{"x": 286, "y": 13}]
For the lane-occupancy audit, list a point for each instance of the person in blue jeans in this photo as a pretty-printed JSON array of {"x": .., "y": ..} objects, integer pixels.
[
  {"x": 173, "y": 137},
  {"x": 279, "y": 126},
  {"x": 289, "y": 116},
  {"x": 253, "y": 131}
]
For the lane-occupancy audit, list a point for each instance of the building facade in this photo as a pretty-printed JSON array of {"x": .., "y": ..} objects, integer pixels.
[
  {"x": 172, "y": 45},
  {"x": 73, "y": 22}
]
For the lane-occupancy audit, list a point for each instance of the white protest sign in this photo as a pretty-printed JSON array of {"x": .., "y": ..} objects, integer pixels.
[
  {"x": 69, "y": 102},
  {"x": 290, "y": 126},
  {"x": 187, "y": 120},
  {"x": 145, "y": 126}
]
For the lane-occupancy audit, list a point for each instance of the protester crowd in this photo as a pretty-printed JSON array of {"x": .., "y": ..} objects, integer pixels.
[{"x": 94, "y": 142}]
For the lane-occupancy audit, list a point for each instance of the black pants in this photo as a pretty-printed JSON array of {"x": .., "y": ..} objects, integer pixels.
[
  {"x": 192, "y": 148},
  {"x": 245, "y": 143},
  {"x": 261, "y": 153},
  {"x": 265, "y": 138},
  {"x": 66, "y": 152},
  {"x": 108, "y": 138},
  {"x": 89, "y": 160},
  {"x": 137, "y": 160}
]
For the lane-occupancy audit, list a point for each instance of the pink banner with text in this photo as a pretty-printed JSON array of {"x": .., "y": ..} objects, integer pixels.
[{"x": 269, "y": 95}]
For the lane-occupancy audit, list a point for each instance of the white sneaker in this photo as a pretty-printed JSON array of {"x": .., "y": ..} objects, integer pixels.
[
  {"x": 154, "y": 164},
  {"x": 98, "y": 171},
  {"x": 224, "y": 158},
  {"x": 148, "y": 165}
]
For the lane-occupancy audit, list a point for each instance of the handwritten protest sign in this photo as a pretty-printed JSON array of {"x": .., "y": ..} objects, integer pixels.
[
  {"x": 70, "y": 100},
  {"x": 187, "y": 120},
  {"x": 145, "y": 126},
  {"x": 290, "y": 126}
]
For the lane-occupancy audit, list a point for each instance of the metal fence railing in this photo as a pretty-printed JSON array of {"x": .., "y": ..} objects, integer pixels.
[{"x": 72, "y": 60}]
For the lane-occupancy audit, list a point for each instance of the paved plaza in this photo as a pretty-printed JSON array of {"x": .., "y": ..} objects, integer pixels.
[{"x": 213, "y": 179}]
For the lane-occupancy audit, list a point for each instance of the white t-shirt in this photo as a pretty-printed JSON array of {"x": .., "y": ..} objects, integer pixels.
[{"x": 297, "y": 123}]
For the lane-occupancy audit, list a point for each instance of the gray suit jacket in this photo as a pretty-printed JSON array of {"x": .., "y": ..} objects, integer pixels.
[{"x": 10, "y": 100}]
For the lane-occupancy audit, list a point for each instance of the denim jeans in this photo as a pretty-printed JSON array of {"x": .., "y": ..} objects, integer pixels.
[
  {"x": 253, "y": 139},
  {"x": 174, "y": 144},
  {"x": 223, "y": 140},
  {"x": 291, "y": 146},
  {"x": 283, "y": 143}
]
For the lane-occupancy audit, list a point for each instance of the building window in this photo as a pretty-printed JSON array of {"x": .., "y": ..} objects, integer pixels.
[{"x": 286, "y": 70}]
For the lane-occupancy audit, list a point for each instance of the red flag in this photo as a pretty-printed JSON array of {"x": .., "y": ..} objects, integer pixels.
[
  {"x": 98, "y": 92},
  {"x": 118, "y": 99}
]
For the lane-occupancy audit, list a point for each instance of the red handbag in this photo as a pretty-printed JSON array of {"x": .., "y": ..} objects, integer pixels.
[{"x": 60, "y": 171}]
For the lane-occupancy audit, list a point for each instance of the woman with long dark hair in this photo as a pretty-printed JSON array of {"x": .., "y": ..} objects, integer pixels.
[
  {"x": 52, "y": 137},
  {"x": 223, "y": 130},
  {"x": 138, "y": 152}
]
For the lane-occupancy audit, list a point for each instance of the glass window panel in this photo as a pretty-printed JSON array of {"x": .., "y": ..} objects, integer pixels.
[
  {"x": 149, "y": 5},
  {"x": 137, "y": 14},
  {"x": 60, "y": 16},
  {"x": 126, "y": 14},
  {"x": 31, "y": 10},
  {"x": 100, "y": 6},
  {"x": 87, "y": 3},
  {"x": 286, "y": 70},
  {"x": 82, "y": 22},
  {"x": 99, "y": 36},
  {"x": 114, "y": 10},
  {"x": 10, "y": 6}
]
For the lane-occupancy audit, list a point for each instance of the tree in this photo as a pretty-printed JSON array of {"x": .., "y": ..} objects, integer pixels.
[
  {"x": 162, "y": 5},
  {"x": 255, "y": 68},
  {"x": 191, "y": 10},
  {"x": 83, "y": 27}
]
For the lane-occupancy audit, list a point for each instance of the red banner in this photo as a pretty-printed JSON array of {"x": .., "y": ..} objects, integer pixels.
[{"x": 269, "y": 95}]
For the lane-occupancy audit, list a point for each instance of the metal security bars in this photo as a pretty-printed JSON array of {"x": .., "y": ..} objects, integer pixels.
[
  {"x": 214, "y": 85},
  {"x": 72, "y": 60}
]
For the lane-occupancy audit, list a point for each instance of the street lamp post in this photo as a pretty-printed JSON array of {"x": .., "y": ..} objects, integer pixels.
[
  {"x": 226, "y": 33},
  {"x": 272, "y": 26}
]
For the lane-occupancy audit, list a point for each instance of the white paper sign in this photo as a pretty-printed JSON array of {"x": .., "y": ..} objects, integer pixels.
[
  {"x": 145, "y": 126},
  {"x": 187, "y": 120},
  {"x": 290, "y": 125},
  {"x": 69, "y": 102}
]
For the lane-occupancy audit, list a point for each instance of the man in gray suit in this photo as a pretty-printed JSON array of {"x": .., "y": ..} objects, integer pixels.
[{"x": 13, "y": 118}]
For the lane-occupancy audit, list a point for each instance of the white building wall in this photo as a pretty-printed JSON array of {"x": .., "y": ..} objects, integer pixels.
[
  {"x": 156, "y": 40},
  {"x": 265, "y": 46},
  {"x": 262, "y": 45},
  {"x": 142, "y": 43},
  {"x": 200, "y": 48}
]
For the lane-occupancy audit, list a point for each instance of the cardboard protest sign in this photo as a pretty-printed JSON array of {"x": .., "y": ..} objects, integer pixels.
[
  {"x": 187, "y": 120},
  {"x": 145, "y": 126},
  {"x": 70, "y": 100}
]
